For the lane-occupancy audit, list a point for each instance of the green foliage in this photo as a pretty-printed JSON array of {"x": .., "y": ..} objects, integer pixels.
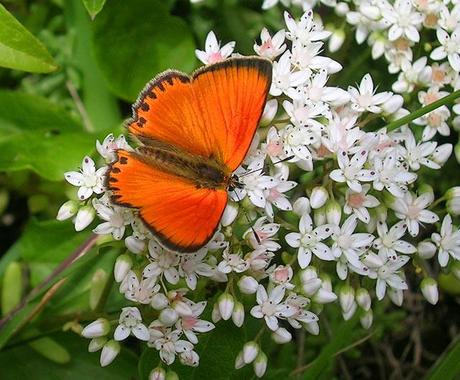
[
  {"x": 136, "y": 40},
  {"x": 448, "y": 365},
  {"x": 19, "y": 49},
  {"x": 39, "y": 135},
  {"x": 93, "y": 7}
]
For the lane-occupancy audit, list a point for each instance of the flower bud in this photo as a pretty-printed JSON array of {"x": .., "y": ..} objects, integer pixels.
[
  {"x": 157, "y": 374},
  {"x": 182, "y": 308},
  {"x": 442, "y": 153},
  {"x": 429, "y": 288},
  {"x": 109, "y": 352},
  {"x": 248, "y": 285},
  {"x": 393, "y": 104},
  {"x": 123, "y": 265},
  {"x": 99, "y": 327},
  {"x": 318, "y": 197},
  {"x": 215, "y": 315},
  {"x": 168, "y": 316},
  {"x": 310, "y": 287},
  {"x": 319, "y": 216},
  {"x": 312, "y": 327},
  {"x": 134, "y": 244},
  {"x": 396, "y": 296},
  {"x": 238, "y": 314},
  {"x": 326, "y": 281},
  {"x": 250, "y": 351},
  {"x": 426, "y": 249},
  {"x": 260, "y": 364},
  {"x": 347, "y": 315},
  {"x": 324, "y": 296},
  {"x": 333, "y": 212},
  {"x": 453, "y": 206},
  {"x": 159, "y": 301},
  {"x": 281, "y": 336},
  {"x": 97, "y": 343},
  {"x": 341, "y": 9},
  {"x": 226, "y": 304},
  {"x": 85, "y": 216},
  {"x": 309, "y": 273},
  {"x": 336, "y": 40},
  {"x": 363, "y": 299},
  {"x": 271, "y": 107},
  {"x": 367, "y": 319},
  {"x": 67, "y": 210},
  {"x": 171, "y": 375},
  {"x": 301, "y": 206},
  {"x": 346, "y": 298},
  {"x": 239, "y": 362},
  {"x": 229, "y": 215}
]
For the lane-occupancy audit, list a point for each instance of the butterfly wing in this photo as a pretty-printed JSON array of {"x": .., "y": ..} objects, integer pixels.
[
  {"x": 214, "y": 113},
  {"x": 182, "y": 216}
]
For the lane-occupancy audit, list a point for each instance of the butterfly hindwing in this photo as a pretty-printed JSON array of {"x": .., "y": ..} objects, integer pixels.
[{"x": 182, "y": 216}]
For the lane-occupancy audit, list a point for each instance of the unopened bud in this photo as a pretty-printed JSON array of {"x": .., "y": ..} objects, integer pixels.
[
  {"x": 318, "y": 197},
  {"x": 159, "y": 301},
  {"x": 347, "y": 315},
  {"x": 301, "y": 206},
  {"x": 333, "y": 212},
  {"x": 123, "y": 265},
  {"x": 324, "y": 296},
  {"x": 260, "y": 364},
  {"x": 134, "y": 244},
  {"x": 367, "y": 319},
  {"x": 281, "y": 336},
  {"x": 319, "y": 216},
  {"x": 363, "y": 299},
  {"x": 396, "y": 296},
  {"x": 157, "y": 374},
  {"x": 312, "y": 327},
  {"x": 442, "y": 153},
  {"x": 248, "y": 285},
  {"x": 171, "y": 375},
  {"x": 238, "y": 314},
  {"x": 97, "y": 343},
  {"x": 226, "y": 304},
  {"x": 109, "y": 352},
  {"x": 99, "y": 327},
  {"x": 426, "y": 249},
  {"x": 85, "y": 216},
  {"x": 215, "y": 314},
  {"x": 67, "y": 210},
  {"x": 271, "y": 107},
  {"x": 336, "y": 40},
  {"x": 429, "y": 288},
  {"x": 250, "y": 351},
  {"x": 168, "y": 316},
  {"x": 346, "y": 298},
  {"x": 239, "y": 362}
]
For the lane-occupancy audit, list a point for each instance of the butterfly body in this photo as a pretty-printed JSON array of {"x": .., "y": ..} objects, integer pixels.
[{"x": 194, "y": 131}]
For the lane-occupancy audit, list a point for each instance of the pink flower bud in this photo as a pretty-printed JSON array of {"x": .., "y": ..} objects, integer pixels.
[
  {"x": 226, "y": 304},
  {"x": 109, "y": 352},
  {"x": 157, "y": 374},
  {"x": 250, "y": 351}
]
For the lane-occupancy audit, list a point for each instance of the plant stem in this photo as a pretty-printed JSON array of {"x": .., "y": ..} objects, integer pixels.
[{"x": 422, "y": 111}]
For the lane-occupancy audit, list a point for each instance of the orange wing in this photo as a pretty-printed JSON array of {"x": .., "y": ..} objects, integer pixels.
[
  {"x": 181, "y": 216},
  {"x": 214, "y": 113}
]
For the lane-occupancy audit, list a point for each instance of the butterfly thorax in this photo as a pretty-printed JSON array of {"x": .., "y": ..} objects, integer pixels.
[{"x": 204, "y": 172}]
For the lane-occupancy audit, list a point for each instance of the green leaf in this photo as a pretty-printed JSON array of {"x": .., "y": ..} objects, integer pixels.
[
  {"x": 11, "y": 287},
  {"x": 19, "y": 49},
  {"x": 136, "y": 40},
  {"x": 39, "y": 135},
  {"x": 50, "y": 349},
  {"x": 448, "y": 365},
  {"x": 93, "y": 7},
  {"x": 22, "y": 362}
]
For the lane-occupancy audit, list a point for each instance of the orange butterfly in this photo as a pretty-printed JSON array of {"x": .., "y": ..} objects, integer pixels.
[{"x": 194, "y": 132}]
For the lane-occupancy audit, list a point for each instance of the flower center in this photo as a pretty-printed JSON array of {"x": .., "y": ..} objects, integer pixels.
[
  {"x": 274, "y": 148},
  {"x": 356, "y": 200},
  {"x": 268, "y": 308}
]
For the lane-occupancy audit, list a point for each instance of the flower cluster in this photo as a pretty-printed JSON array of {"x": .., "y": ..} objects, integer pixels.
[{"x": 363, "y": 213}]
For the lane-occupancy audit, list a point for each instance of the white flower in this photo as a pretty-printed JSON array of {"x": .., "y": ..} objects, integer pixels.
[
  {"x": 265, "y": 232},
  {"x": 192, "y": 265},
  {"x": 309, "y": 241},
  {"x": 450, "y": 48},
  {"x": 84, "y": 217},
  {"x": 163, "y": 262},
  {"x": 191, "y": 324},
  {"x": 116, "y": 219},
  {"x": 167, "y": 342},
  {"x": 365, "y": 99},
  {"x": 351, "y": 171},
  {"x": 282, "y": 275},
  {"x": 270, "y": 307},
  {"x": 232, "y": 262},
  {"x": 271, "y": 47},
  {"x": 139, "y": 291},
  {"x": 213, "y": 52},
  {"x": 284, "y": 78},
  {"x": 417, "y": 73},
  {"x": 306, "y": 30},
  {"x": 88, "y": 179},
  {"x": 109, "y": 352},
  {"x": 190, "y": 358},
  {"x": 341, "y": 133},
  {"x": 417, "y": 154},
  {"x": 130, "y": 322},
  {"x": 298, "y": 313},
  {"x": 412, "y": 210},
  {"x": 447, "y": 241},
  {"x": 404, "y": 20},
  {"x": 110, "y": 145},
  {"x": 387, "y": 272},
  {"x": 390, "y": 176},
  {"x": 359, "y": 202},
  {"x": 389, "y": 244},
  {"x": 349, "y": 246},
  {"x": 274, "y": 196}
]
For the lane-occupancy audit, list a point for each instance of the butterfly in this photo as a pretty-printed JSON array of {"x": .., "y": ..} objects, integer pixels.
[{"x": 194, "y": 132}]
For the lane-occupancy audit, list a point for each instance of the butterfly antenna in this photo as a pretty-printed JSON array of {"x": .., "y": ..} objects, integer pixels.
[
  {"x": 248, "y": 220},
  {"x": 277, "y": 162}
]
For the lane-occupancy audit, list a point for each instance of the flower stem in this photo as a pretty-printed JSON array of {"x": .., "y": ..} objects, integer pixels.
[{"x": 422, "y": 111}]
